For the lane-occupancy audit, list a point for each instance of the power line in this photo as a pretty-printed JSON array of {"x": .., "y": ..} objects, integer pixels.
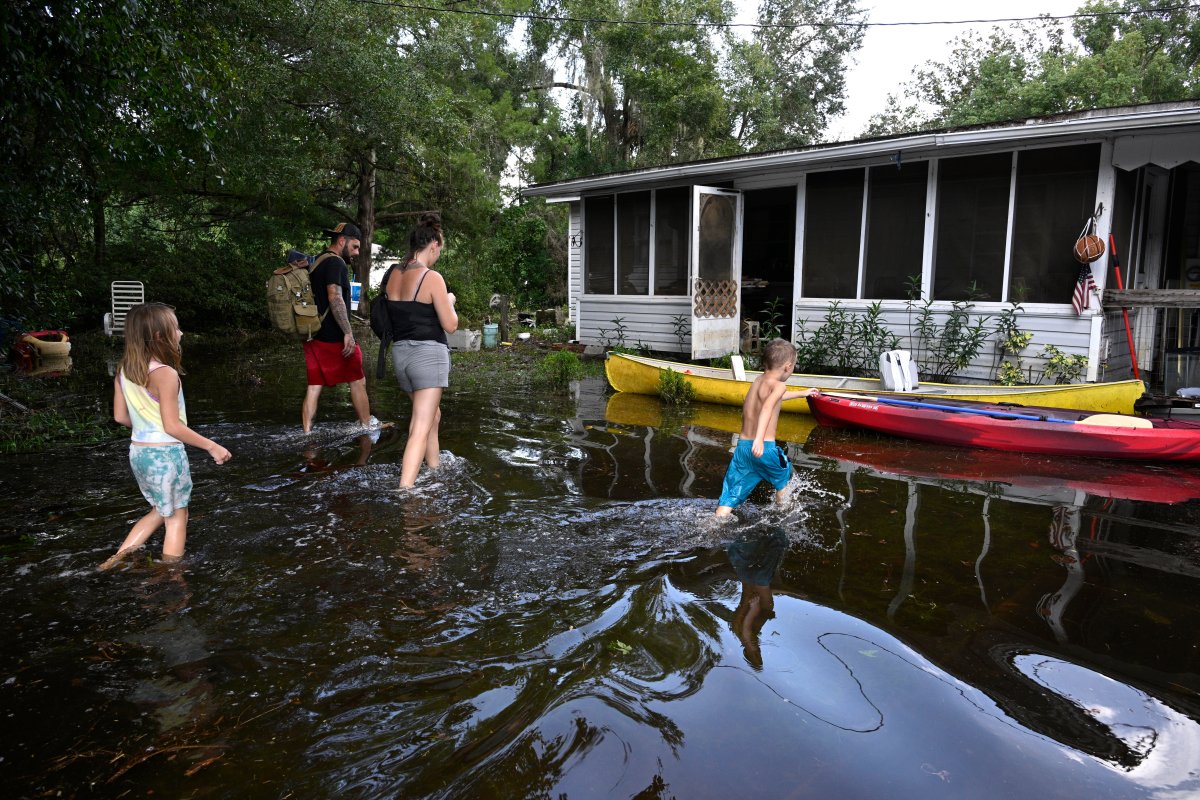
[{"x": 678, "y": 24}]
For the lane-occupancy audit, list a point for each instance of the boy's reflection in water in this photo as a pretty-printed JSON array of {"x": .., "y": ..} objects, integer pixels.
[{"x": 756, "y": 557}]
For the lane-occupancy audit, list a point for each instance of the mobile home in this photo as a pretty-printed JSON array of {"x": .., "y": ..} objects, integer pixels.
[{"x": 679, "y": 257}]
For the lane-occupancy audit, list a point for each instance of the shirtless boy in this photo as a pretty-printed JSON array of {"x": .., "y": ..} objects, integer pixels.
[{"x": 757, "y": 458}]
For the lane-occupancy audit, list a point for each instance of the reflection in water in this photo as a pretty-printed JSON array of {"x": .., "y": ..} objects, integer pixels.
[
  {"x": 318, "y": 460},
  {"x": 1057, "y": 480},
  {"x": 551, "y": 614},
  {"x": 170, "y": 656},
  {"x": 46, "y": 367},
  {"x": 1130, "y": 730},
  {"x": 910, "y": 550},
  {"x": 1063, "y": 533},
  {"x": 755, "y": 559},
  {"x": 182, "y": 692}
]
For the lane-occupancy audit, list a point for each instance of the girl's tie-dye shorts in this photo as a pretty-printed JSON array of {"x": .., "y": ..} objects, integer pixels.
[{"x": 163, "y": 475}]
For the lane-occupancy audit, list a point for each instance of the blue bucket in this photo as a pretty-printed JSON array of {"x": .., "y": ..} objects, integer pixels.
[{"x": 491, "y": 333}]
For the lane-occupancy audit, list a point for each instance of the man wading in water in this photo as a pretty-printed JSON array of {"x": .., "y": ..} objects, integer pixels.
[{"x": 332, "y": 356}]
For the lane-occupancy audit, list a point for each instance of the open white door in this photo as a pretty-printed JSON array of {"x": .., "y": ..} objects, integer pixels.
[{"x": 715, "y": 268}]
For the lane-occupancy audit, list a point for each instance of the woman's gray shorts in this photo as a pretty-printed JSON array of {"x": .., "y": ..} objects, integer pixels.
[{"x": 421, "y": 365}]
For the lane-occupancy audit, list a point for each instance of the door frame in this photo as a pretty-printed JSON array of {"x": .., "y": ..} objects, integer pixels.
[{"x": 716, "y": 306}]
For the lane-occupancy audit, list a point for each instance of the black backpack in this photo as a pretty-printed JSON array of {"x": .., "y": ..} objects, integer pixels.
[{"x": 381, "y": 322}]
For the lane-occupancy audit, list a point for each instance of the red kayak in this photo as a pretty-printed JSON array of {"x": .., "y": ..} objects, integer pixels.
[
  {"x": 995, "y": 470},
  {"x": 1022, "y": 429}
]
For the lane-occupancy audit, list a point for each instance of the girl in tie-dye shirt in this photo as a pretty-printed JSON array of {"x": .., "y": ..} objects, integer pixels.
[{"x": 148, "y": 397}]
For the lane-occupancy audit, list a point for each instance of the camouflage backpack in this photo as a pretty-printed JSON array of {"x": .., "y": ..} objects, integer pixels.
[{"x": 290, "y": 302}]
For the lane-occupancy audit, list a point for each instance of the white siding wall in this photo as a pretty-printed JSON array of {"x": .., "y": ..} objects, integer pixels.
[
  {"x": 1070, "y": 334},
  {"x": 646, "y": 320},
  {"x": 575, "y": 265}
]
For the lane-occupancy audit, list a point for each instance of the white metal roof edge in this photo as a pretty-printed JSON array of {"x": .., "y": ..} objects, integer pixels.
[{"x": 1093, "y": 124}]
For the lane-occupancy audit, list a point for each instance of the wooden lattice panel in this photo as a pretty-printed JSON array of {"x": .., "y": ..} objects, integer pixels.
[{"x": 715, "y": 299}]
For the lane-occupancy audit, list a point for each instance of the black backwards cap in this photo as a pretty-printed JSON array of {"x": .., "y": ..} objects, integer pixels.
[{"x": 347, "y": 229}]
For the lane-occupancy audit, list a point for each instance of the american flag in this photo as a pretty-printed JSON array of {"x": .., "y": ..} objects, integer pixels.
[
  {"x": 1084, "y": 286},
  {"x": 1064, "y": 527}
]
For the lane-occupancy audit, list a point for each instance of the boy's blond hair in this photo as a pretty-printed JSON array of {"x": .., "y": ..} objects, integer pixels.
[{"x": 776, "y": 353}]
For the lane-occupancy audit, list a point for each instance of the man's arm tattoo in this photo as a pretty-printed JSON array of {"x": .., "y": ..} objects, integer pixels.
[{"x": 337, "y": 307}]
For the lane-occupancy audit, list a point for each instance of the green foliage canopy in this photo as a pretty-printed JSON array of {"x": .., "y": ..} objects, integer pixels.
[
  {"x": 788, "y": 80},
  {"x": 1129, "y": 52},
  {"x": 188, "y": 145}
]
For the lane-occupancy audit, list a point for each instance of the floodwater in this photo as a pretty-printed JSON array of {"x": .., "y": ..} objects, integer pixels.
[{"x": 554, "y": 613}]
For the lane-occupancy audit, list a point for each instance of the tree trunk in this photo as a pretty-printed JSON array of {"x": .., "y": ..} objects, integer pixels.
[
  {"x": 366, "y": 215},
  {"x": 96, "y": 199},
  {"x": 99, "y": 232},
  {"x": 366, "y": 223}
]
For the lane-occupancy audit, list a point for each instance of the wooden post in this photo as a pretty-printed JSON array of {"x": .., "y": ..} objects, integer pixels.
[{"x": 504, "y": 318}]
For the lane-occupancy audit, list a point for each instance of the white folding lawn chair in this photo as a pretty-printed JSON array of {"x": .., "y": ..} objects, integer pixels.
[{"x": 125, "y": 295}]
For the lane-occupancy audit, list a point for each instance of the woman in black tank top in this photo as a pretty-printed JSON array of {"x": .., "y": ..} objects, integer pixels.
[{"x": 422, "y": 313}]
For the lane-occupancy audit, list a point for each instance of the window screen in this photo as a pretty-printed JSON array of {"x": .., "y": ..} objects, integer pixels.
[
  {"x": 633, "y": 243},
  {"x": 1056, "y": 193},
  {"x": 718, "y": 224},
  {"x": 895, "y": 229},
  {"x": 671, "y": 240},
  {"x": 972, "y": 223},
  {"x": 598, "y": 245},
  {"x": 832, "y": 223}
]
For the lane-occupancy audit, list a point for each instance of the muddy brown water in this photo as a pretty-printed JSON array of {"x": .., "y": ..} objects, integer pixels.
[{"x": 554, "y": 614}]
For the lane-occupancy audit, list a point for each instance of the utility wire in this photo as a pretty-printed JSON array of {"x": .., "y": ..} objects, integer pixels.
[{"x": 677, "y": 24}]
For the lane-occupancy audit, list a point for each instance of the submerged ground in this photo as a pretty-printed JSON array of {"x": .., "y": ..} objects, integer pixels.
[{"x": 555, "y": 615}]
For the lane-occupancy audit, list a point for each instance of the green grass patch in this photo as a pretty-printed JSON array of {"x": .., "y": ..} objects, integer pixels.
[
  {"x": 558, "y": 369},
  {"x": 49, "y": 428}
]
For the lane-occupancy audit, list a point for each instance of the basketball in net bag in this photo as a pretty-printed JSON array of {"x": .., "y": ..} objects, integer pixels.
[{"x": 1088, "y": 248}]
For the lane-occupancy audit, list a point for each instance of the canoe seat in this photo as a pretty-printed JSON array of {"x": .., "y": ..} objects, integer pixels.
[
  {"x": 738, "y": 367},
  {"x": 897, "y": 371},
  {"x": 1117, "y": 421}
]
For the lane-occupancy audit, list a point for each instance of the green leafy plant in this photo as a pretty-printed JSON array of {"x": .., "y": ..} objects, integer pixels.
[
  {"x": 942, "y": 351},
  {"x": 870, "y": 337},
  {"x": 1062, "y": 367},
  {"x": 681, "y": 325},
  {"x": 1010, "y": 373},
  {"x": 845, "y": 343},
  {"x": 674, "y": 389},
  {"x": 617, "y": 340},
  {"x": 771, "y": 325},
  {"x": 558, "y": 369},
  {"x": 1011, "y": 342},
  {"x": 557, "y": 333}
]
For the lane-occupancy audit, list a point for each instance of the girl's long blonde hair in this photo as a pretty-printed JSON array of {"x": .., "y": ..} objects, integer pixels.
[{"x": 150, "y": 334}]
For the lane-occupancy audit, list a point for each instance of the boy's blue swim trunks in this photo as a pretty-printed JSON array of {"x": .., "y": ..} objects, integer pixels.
[{"x": 745, "y": 471}]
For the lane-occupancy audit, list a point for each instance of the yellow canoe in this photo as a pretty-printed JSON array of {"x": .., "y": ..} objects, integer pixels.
[{"x": 639, "y": 375}]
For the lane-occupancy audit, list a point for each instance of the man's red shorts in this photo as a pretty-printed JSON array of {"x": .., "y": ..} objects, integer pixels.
[{"x": 326, "y": 367}]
